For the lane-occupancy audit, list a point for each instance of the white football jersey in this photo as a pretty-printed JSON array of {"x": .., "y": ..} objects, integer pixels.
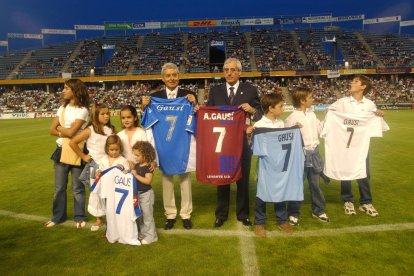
[
  {"x": 347, "y": 137},
  {"x": 122, "y": 208}
]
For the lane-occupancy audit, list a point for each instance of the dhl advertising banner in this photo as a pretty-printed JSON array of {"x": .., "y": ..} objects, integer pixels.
[{"x": 202, "y": 23}]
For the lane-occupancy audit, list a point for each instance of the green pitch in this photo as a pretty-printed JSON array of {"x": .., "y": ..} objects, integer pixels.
[{"x": 346, "y": 245}]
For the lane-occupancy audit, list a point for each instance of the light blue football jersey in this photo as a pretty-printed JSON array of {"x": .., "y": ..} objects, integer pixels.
[
  {"x": 280, "y": 164},
  {"x": 172, "y": 122}
]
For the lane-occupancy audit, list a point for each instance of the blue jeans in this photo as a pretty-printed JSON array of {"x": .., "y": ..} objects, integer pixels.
[
  {"x": 282, "y": 211},
  {"x": 60, "y": 198},
  {"x": 85, "y": 176},
  {"x": 365, "y": 196},
  {"x": 146, "y": 223},
  {"x": 316, "y": 195}
]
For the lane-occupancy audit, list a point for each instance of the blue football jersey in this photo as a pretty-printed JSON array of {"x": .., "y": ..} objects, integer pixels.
[
  {"x": 172, "y": 122},
  {"x": 281, "y": 161}
]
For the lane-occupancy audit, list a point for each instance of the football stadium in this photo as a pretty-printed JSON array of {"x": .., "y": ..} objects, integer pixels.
[{"x": 198, "y": 203}]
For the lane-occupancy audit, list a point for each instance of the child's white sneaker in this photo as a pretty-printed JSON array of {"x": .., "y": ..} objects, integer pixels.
[
  {"x": 294, "y": 221},
  {"x": 322, "y": 217},
  {"x": 368, "y": 209},
  {"x": 145, "y": 242},
  {"x": 349, "y": 208}
]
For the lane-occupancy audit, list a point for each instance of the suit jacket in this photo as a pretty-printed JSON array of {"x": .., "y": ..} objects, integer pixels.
[
  {"x": 246, "y": 93},
  {"x": 180, "y": 93}
]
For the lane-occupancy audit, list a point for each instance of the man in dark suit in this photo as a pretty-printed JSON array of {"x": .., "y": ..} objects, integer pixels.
[
  {"x": 245, "y": 96},
  {"x": 170, "y": 77}
]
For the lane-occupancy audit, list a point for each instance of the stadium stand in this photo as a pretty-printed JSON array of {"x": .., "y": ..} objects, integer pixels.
[
  {"x": 261, "y": 50},
  {"x": 354, "y": 50},
  {"x": 47, "y": 62},
  {"x": 119, "y": 62},
  {"x": 326, "y": 91},
  {"x": 84, "y": 59},
  {"x": 273, "y": 50},
  {"x": 311, "y": 44},
  {"x": 392, "y": 50},
  {"x": 157, "y": 49}
]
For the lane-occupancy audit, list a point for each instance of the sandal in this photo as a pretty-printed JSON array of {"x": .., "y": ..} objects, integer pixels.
[
  {"x": 50, "y": 224},
  {"x": 80, "y": 224}
]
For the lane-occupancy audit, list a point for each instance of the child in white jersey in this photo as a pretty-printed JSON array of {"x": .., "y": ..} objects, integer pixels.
[
  {"x": 310, "y": 127},
  {"x": 95, "y": 136},
  {"x": 273, "y": 107},
  {"x": 356, "y": 103}
]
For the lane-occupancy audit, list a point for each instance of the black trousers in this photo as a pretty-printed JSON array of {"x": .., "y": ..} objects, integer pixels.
[{"x": 242, "y": 197}]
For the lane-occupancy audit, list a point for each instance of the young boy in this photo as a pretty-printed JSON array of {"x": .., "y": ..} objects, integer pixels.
[
  {"x": 356, "y": 103},
  {"x": 272, "y": 105},
  {"x": 310, "y": 128}
]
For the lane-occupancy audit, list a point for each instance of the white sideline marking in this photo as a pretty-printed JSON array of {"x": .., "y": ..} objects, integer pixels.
[
  {"x": 247, "y": 246},
  {"x": 248, "y": 252},
  {"x": 244, "y": 233}
]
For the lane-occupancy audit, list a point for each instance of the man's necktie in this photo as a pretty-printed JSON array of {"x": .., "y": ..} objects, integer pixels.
[{"x": 231, "y": 95}]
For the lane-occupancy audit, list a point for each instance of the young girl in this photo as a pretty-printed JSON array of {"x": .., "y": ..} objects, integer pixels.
[
  {"x": 131, "y": 132},
  {"x": 71, "y": 118},
  {"x": 113, "y": 150},
  {"x": 145, "y": 155},
  {"x": 95, "y": 135}
]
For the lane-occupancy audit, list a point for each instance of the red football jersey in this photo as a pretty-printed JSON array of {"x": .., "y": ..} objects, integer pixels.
[{"x": 219, "y": 144}]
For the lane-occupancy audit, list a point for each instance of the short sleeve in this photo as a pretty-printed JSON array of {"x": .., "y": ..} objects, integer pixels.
[
  {"x": 142, "y": 134},
  {"x": 289, "y": 122},
  {"x": 125, "y": 163},
  {"x": 59, "y": 112},
  {"x": 325, "y": 125},
  {"x": 336, "y": 106},
  {"x": 259, "y": 146},
  {"x": 149, "y": 118},
  {"x": 82, "y": 114}
]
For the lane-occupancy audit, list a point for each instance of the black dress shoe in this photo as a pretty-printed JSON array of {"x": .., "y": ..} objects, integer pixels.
[
  {"x": 169, "y": 224},
  {"x": 218, "y": 223},
  {"x": 246, "y": 222},
  {"x": 187, "y": 224}
]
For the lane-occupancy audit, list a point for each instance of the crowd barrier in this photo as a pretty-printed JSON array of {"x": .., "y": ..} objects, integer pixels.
[{"x": 115, "y": 112}]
